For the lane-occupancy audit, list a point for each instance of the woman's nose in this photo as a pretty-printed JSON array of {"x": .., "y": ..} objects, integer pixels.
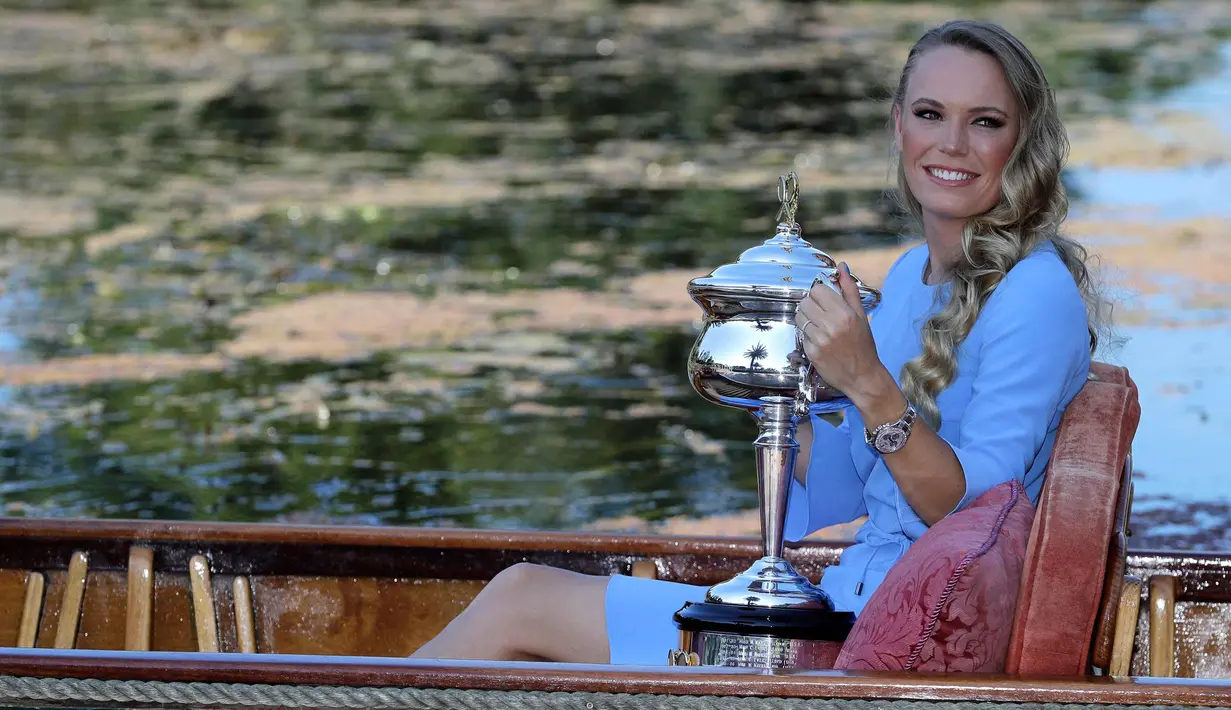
[{"x": 954, "y": 140}]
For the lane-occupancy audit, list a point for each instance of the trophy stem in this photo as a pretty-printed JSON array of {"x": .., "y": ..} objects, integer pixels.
[
  {"x": 777, "y": 451},
  {"x": 769, "y": 616}
]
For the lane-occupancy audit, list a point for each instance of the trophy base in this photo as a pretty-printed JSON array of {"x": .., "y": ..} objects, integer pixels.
[
  {"x": 767, "y": 638},
  {"x": 770, "y": 583}
]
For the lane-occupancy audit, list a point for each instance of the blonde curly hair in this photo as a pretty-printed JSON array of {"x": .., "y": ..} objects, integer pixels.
[{"x": 1032, "y": 205}]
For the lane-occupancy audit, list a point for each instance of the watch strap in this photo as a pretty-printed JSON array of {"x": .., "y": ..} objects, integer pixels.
[{"x": 904, "y": 422}]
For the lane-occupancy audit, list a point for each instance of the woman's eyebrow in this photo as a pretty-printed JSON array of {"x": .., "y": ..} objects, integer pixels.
[{"x": 977, "y": 109}]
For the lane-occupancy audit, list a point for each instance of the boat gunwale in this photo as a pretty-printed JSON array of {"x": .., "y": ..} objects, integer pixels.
[
  {"x": 279, "y": 669},
  {"x": 28, "y": 529},
  {"x": 203, "y": 533}
]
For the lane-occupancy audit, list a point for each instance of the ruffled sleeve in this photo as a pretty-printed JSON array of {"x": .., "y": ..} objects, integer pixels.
[{"x": 834, "y": 493}]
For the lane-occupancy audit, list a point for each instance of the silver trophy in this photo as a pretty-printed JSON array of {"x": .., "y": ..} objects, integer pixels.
[{"x": 749, "y": 356}]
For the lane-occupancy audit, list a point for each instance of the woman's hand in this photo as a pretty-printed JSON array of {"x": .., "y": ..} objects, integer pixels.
[
  {"x": 838, "y": 341},
  {"x": 837, "y": 338}
]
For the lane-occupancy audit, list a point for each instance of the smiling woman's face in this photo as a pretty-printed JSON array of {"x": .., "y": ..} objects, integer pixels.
[{"x": 957, "y": 127}]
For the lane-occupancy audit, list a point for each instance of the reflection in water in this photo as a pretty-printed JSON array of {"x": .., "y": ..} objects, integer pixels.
[
  {"x": 185, "y": 295},
  {"x": 1174, "y": 192},
  {"x": 1189, "y": 383},
  {"x": 164, "y": 176},
  {"x": 383, "y": 441},
  {"x": 1168, "y": 194}
]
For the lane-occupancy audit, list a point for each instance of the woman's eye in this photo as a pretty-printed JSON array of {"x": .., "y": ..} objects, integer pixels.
[
  {"x": 989, "y": 122},
  {"x": 927, "y": 114}
]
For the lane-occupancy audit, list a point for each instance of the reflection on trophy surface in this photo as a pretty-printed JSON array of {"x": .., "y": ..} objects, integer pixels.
[{"x": 748, "y": 356}]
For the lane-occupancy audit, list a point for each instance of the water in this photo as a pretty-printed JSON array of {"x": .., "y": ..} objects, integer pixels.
[
  {"x": 1182, "y": 488},
  {"x": 188, "y": 195},
  {"x": 1171, "y": 194}
]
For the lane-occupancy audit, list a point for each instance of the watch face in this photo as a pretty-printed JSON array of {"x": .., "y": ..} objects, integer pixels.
[{"x": 890, "y": 440}]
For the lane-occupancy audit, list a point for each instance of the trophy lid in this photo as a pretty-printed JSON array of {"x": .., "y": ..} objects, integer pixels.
[{"x": 774, "y": 275}]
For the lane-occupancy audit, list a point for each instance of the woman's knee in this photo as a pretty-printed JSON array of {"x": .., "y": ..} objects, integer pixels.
[
  {"x": 547, "y": 612},
  {"x": 510, "y": 596},
  {"x": 517, "y": 580}
]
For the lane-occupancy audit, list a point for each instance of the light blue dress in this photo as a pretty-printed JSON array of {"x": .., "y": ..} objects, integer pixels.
[{"x": 1025, "y": 359}]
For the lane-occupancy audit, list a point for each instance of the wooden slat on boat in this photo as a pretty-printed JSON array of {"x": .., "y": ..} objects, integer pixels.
[
  {"x": 31, "y": 610},
  {"x": 140, "y": 599},
  {"x": 205, "y": 621},
  {"x": 245, "y": 626},
  {"x": 70, "y": 607},
  {"x": 1126, "y": 628},
  {"x": 1163, "y": 589}
]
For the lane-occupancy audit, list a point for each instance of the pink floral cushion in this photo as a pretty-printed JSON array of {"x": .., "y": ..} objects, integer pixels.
[{"x": 948, "y": 604}]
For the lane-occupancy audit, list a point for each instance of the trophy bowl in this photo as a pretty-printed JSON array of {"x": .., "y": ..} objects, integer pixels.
[
  {"x": 749, "y": 356},
  {"x": 749, "y": 347}
]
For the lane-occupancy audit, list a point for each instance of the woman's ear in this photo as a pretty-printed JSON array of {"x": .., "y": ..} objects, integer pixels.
[{"x": 897, "y": 129}]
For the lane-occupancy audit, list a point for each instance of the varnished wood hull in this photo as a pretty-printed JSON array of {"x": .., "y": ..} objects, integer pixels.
[
  {"x": 320, "y": 589},
  {"x": 345, "y": 605}
]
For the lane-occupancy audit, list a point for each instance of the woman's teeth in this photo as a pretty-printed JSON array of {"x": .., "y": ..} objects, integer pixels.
[{"x": 950, "y": 174}]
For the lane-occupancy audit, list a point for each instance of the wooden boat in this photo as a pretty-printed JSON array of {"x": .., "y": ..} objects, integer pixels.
[{"x": 160, "y": 614}]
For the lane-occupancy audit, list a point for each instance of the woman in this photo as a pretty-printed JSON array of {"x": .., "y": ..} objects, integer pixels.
[{"x": 985, "y": 332}]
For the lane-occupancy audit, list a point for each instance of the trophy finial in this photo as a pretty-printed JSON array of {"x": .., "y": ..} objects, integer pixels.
[{"x": 788, "y": 195}]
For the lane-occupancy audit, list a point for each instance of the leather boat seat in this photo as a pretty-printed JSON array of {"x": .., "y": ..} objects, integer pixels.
[
  {"x": 1079, "y": 536},
  {"x": 1008, "y": 586}
]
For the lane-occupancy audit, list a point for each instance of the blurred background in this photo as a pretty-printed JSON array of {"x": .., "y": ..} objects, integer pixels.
[{"x": 423, "y": 263}]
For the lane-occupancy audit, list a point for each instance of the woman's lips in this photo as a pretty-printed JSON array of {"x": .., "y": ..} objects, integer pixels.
[{"x": 949, "y": 177}]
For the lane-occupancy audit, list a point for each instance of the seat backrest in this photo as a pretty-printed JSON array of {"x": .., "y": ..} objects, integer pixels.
[{"x": 1077, "y": 542}]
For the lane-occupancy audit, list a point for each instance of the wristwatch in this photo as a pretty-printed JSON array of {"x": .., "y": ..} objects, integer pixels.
[{"x": 888, "y": 438}]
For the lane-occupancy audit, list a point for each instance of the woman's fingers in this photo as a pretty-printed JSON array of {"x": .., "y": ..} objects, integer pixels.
[
  {"x": 826, "y": 295},
  {"x": 808, "y": 311},
  {"x": 831, "y": 308},
  {"x": 850, "y": 289},
  {"x": 825, "y": 300}
]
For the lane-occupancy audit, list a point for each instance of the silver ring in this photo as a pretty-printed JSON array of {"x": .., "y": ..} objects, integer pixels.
[{"x": 807, "y": 322}]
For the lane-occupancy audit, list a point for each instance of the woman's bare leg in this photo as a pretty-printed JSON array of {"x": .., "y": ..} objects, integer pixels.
[{"x": 530, "y": 612}]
